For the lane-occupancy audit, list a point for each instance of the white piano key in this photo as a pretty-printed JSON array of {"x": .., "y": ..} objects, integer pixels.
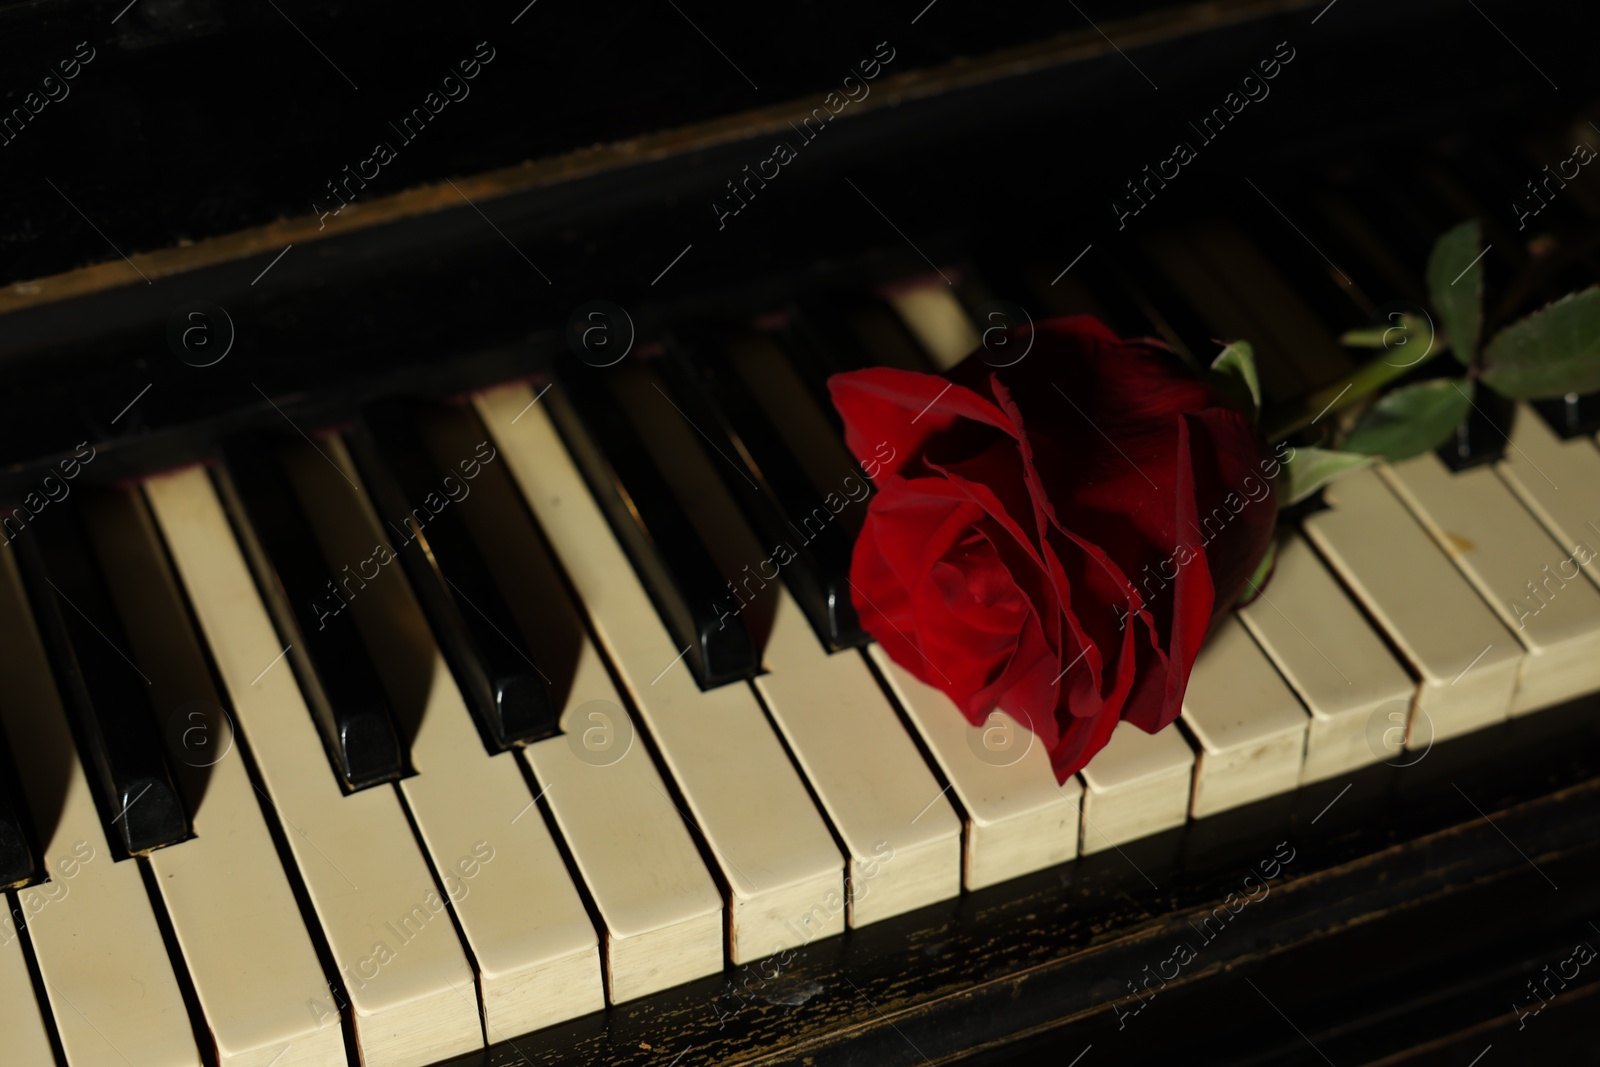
[
  {"x": 1559, "y": 481},
  {"x": 903, "y": 837},
  {"x": 930, "y": 310},
  {"x": 1018, "y": 819},
  {"x": 661, "y": 909},
  {"x": 1529, "y": 580},
  {"x": 231, "y": 906},
  {"x": 1250, "y": 726},
  {"x": 1467, "y": 662},
  {"x": 537, "y": 954},
  {"x": 784, "y": 873},
  {"x": 22, "y": 1018},
  {"x": 110, "y": 982},
  {"x": 662, "y": 912},
  {"x": 1332, "y": 659},
  {"x": 1138, "y": 785},
  {"x": 411, "y": 997}
]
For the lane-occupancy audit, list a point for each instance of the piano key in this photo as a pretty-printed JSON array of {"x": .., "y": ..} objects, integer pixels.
[
  {"x": 1166, "y": 311},
  {"x": 338, "y": 678},
  {"x": 773, "y": 488},
  {"x": 936, "y": 318},
  {"x": 1524, "y": 575},
  {"x": 106, "y": 972},
  {"x": 1457, "y": 199},
  {"x": 1018, "y": 820},
  {"x": 1330, "y": 656},
  {"x": 662, "y": 911},
  {"x": 403, "y": 972},
  {"x": 1067, "y": 294},
  {"x": 876, "y": 790},
  {"x": 1559, "y": 482},
  {"x": 1401, "y": 276},
  {"x": 225, "y": 890},
  {"x": 1317, "y": 264},
  {"x": 1138, "y": 785},
  {"x": 1479, "y": 438},
  {"x": 806, "y": 426},
  {"x": 1250, "y": 726},
  {"x": 1228, "y": 316},
  {"x": 506, "y": 690},
  {"x": 1466, "y": 660},
  {"x": 783, "y": 873},
  {"x": 16, "y": 854},
  {"x": 867, "y": 333},
  {"x": 659, "y": 537},
  {"x": 1572, "y": 415},
  {"x": 107, "y": 693},
  {"x": 821, "y": 338},
  {"x": 22, "y": 1015},
  {"x": 537, "y": 955},
  {"x": 1299, "y": 335}
]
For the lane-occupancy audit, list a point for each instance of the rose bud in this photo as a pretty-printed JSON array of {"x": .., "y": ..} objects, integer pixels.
[{"x": 1055, "y": 537}]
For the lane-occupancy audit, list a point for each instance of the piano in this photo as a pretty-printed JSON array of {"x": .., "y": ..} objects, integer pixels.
[{"x": 425, "y": 630}]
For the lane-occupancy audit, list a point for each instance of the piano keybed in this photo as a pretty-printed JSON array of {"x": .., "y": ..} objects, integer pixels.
[{"x": 411, "y": 866}]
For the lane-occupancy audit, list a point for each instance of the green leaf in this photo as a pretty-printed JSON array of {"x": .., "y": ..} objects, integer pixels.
[
  {"x": 1252, "y": 588},
  {"x": 1312, "y": 468},
  {"x": 1234, "y": 374},
  {"x": 1412, "y": 420},
  {"x": 1455, "y": 287},
  {"x": 1552, "y": 352}
]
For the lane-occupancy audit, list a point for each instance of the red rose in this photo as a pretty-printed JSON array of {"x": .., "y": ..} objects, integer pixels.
[{"x": 1055, "y": 537}]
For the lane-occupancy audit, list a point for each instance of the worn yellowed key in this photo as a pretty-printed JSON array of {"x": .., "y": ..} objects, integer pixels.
[
  {"x": 1138, "y": 785},
  {"x": 112, "y": 989},
  {"x": 1467, "y": 663},
  {"x": 1333, "y": 660},
  {"x": 662, "y": 912},
  {"x": 21, "y": 1014},
  {"x": 783, "y": 872},
  {"x": 1559, "y": 481},
  {"x": 407, "y": 980},
  {"x": 226, "y": 892},
  {"x": 1523, "y": 574},
  {"x": 1251, "y": 727},
  {"x": 1018, "y": 819},
  {"x": 536, "y": 951}
]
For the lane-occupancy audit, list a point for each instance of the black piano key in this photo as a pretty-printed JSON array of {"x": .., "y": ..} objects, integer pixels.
[
  {"x": 778, "y": 497},
  {"x": 1016, "y": 278},
  {"x": 106, "y": 694},
  {"x": 16, "y": 853},
  {"x": 1480, "y": 437},
  {"x": 476, "y": 629},
  {"x": 675, "y": 566},
  {"x": 1325, "y": 272},
  {"x": 1160, "y": 303},
  {"x": 1573, "y": 415},
  {"x": 824, "y": 336},
  {"x": 337, "y": 674}
]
